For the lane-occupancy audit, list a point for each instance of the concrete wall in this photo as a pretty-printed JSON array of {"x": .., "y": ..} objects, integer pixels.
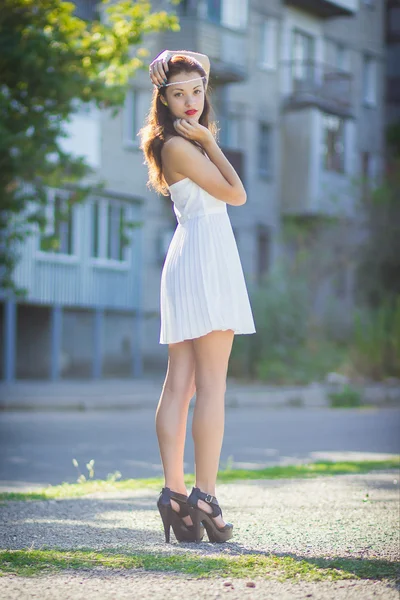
[
  {"x": 33, "y": 343},
  {"x": 297, "y": 143}
]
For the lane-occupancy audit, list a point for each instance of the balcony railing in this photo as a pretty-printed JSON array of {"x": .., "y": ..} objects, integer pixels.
[
  {"x": 327, "y": 8},
  {"x": 311, "y": 82}
]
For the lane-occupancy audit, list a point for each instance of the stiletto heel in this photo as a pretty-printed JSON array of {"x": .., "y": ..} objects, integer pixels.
[
  {"x": 171, "y": 518},
  {"x": 166, "y": 519},
  {"x": 197, "y": 524},
  {"x": 215, "y": 533}
]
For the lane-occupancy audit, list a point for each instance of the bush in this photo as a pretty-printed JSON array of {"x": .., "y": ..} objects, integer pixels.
[
  {"x": 376, "y": 340},
  {"x": 347, "y": 397},
  {"x": 280, "y": 309},
  {"x": 288, "y": 347}
]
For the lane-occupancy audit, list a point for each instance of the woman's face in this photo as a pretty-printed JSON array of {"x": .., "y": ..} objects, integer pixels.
[{"x": 184, "y": 97}]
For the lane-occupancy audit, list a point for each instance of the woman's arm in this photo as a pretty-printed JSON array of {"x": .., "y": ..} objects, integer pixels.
[
  {"x": 214, "y": 174},
  {"x": 164, "y": 56}
]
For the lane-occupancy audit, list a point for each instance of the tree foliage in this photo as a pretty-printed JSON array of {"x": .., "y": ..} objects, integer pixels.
[{"x": 51, "y": 62}]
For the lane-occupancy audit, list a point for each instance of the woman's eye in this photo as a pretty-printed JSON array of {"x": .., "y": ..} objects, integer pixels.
[{"x": 180, "y": 94}]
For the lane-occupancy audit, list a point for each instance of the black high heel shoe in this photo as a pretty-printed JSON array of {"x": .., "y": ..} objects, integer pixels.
[
  {"x": 199, "y": 516},
  {"x": 171, "y": 518}
]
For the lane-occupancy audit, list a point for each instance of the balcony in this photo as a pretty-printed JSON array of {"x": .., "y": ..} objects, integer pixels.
[
  {"x": 317, "y": 172},
  {"x": 226, "y": 48},
  {"x": 308, "y": 83},
  {"x": 327, "y": 9}
]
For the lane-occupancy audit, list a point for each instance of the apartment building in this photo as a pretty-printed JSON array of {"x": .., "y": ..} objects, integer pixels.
[
  {"x": 80, "y": 315},
  {"x": 297, "y": 90}
]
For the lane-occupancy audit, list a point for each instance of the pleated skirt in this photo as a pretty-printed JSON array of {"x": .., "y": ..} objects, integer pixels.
[{"x": 203, "y": 287}]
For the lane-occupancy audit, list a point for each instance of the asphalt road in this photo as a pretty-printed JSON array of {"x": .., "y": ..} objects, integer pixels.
[{"x": 39, "y": 447}]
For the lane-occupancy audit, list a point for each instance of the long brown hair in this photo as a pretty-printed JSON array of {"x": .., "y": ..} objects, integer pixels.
[{"x": 159, "y": 123}]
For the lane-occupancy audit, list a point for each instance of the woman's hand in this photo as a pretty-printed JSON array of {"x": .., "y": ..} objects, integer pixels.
[
  {"x": 159, "y": 68},
  {"x": 192, "y": 130}
]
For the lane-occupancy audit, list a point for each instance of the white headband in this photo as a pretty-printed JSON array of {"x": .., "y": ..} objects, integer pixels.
[{"x": 187, "y": 81}]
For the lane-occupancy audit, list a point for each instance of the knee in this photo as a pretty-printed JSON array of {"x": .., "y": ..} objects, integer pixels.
[
  {"x": 183, "y": 390},
  {"x": 210, "y": 387}
]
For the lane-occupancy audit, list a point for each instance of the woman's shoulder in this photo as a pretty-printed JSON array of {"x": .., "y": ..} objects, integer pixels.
[
  {"x": 175, "y": 141},
  {"x": 176, "y": 144}
]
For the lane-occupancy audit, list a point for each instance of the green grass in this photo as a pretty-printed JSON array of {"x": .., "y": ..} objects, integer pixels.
[
  {"x": 35, "y": 562},
  {"x": 320, "y": 468}
]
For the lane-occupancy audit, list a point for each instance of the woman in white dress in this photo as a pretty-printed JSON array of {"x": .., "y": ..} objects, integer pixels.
[{"x": 203, "y": 295}]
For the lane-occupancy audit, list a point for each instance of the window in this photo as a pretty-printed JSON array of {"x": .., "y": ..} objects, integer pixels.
[
  {"x": 231, "y": 131},
  {"x": 115, "y": 219},
  {"x": 265, "y": 150},
  {"x": 214, "y": 10},
  {"x": 234, "y": 13},
  {"x": 136, "y": 106},
  {"x": 263, "y": 251},
  {"x": 393, "y": 73},
  {"x": 334, "y": 143},
  {"x": 337, "y": 55},
  {"x": 393, "y": 60},
  {"x": 108, "y": 224},
  {"x": 230, "y": 13},
  {"x": 95, "y": 229},
  {"x": 268, "y": 43},
  {"x": 393, "y": 19},
  {"x": 58, "y": 236},
  {"x": 303, "y": 57},
  {"x": 369, "y": 81},
  {"x": 183, "y": 8}
]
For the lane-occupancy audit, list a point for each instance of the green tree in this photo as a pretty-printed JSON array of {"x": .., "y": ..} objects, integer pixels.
[{"x": 51, "y": 62}]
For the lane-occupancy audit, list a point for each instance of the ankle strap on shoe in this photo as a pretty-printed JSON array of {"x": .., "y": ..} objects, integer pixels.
[
  {"x": 177, "y": 496},
  {"x": 166, "y": 495},
  {"x": 197, "y": 494},
  {"x": 206, "y": 497},
  {"x": 166, "y": 492}
]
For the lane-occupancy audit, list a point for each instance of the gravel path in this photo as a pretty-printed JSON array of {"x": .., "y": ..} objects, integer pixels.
[
  {"x": 149, "y": 586},
  {"x": 349, "y": 516}
]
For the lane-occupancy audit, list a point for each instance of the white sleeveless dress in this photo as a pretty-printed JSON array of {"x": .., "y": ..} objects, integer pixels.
[{"x": 202, "y": 282}]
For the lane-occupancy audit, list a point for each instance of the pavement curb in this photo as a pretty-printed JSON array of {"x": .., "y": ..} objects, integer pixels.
[{"x": 138, "y": 395}]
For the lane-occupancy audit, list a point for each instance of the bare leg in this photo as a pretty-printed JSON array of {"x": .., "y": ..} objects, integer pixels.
[
  {"x": 212, "y": 353},
  {"x": 171, "y": 415}
]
